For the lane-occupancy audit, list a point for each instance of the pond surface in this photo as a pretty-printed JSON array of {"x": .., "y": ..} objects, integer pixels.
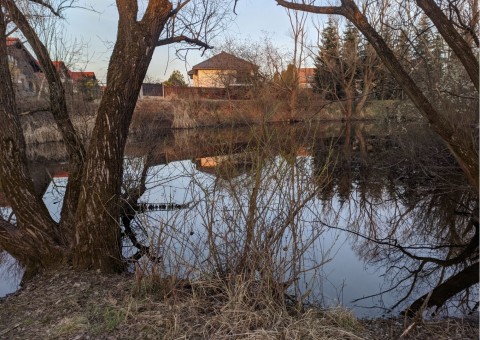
[{"x": 347, "y": 214}]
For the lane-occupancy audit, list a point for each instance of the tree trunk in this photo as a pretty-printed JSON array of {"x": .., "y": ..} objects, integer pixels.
[
  {"x": 34, "y": 241},
  {"x": 97, "y": 228},
  {"x": 58, "y": 107},
  {"x": 456, "y": 42},
  {"x": 454, "y": 285}
]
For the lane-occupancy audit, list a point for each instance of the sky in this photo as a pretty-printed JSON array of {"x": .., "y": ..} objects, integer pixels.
[{"x": 254, "y": 19}]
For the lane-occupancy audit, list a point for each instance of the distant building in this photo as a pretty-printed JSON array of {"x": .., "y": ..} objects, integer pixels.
[
  {"x": 26, "y": 72},
  {"x": 64, "y": 74},
  {"x": 306, "y": 77},
  {"x": 85, "y": 83},
  {"x": 29, "y": 79},
  {"x": 222, "y": 70}
]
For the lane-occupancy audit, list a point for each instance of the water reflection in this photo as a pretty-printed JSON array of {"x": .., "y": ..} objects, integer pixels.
[{"x": 374, "y": 215}]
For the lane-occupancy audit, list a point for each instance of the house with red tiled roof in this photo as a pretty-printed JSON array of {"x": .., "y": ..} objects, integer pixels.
[
  {"x": 24, "y": 69},
  {"x": 85, "y": 83},
  {"x": 222, "y": 70},
  {"x": 64, "y": 74},
  {"x": 79, "y": 76},
  {"x": 29, "y": 79}
]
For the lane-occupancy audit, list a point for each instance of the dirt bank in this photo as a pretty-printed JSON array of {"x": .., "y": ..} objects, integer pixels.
[{"x": 68, "y": 305}]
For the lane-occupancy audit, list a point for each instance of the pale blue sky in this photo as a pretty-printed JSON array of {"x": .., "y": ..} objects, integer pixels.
[{"x": 254, "y": 19}]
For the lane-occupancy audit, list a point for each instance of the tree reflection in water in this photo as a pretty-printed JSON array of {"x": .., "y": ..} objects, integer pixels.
[
  {"x": 412, "y": 213},
  {"x": 260, "y": 198}
]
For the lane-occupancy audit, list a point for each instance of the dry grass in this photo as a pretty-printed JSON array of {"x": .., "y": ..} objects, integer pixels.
[{"x": 70, "y": 305}]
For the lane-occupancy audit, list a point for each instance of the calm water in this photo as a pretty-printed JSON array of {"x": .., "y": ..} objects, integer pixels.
[{"x": 327, "y": 206}]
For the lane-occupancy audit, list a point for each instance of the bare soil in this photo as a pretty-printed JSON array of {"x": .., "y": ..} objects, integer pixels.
[{"x": 71, "y": 305}]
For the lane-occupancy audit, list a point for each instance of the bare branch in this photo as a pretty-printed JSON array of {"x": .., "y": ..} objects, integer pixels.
[
  {"x": 183, "y": 38},
  {"x": 310, "y": 8},
  {"x": 174, "y": 11},
  {"x": 46, "y": 5}
]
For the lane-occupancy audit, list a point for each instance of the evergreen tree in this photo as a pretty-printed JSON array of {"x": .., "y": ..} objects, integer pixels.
[
  {"x": 351, "y": 57},
  {"x": 327, "y": 61},
  {"x": 351, "y": 40},
  {"x": 428, "y": 58},
  {"x": 176, "y": 79}
]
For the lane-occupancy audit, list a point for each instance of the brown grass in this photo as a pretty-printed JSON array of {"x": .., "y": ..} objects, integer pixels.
[{"x": 68, "y": 305}]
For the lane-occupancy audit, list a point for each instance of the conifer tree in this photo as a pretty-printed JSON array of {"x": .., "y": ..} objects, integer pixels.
[{"x": 327, "y": 61}]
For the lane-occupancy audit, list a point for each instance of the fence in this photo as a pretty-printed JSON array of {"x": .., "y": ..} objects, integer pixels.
[{"x": 160, "y": 90}]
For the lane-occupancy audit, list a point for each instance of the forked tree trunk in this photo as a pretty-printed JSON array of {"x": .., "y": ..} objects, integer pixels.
[
  {"x": 58, "y": 108},
  {"x": 36, "y": 240},
  {"x": 97, "y": 239}
]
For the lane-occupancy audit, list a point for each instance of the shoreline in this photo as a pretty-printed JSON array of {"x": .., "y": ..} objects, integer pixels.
[
  {"x": 66, "y": 304},
  {"x": 178, "y": 114}
]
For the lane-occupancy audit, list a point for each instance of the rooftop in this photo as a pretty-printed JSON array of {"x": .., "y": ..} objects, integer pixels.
[{"x": 225, "y": 61}]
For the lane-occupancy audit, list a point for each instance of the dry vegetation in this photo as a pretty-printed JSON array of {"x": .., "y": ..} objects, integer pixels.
[
  {"x": 39, "y": 126},
  {"x": 188, "y": 113},
  {"x": 67, "y": 305},
  {"x": 157, "y": 113}
]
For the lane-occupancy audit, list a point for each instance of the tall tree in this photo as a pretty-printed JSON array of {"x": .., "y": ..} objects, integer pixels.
[
  {"x": 345, "y": 68},
  {"x": 327, "y": 62},
  {"x": 88, "y": 233}
]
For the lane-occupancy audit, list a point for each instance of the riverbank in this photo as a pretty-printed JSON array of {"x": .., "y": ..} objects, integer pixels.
[
  {"x": 190, "y": 113},
  {"x": 70, "y": 305},
  {"x": 154, "y": 114}
]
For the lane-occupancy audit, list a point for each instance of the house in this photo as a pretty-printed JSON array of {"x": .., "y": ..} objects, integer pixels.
[
  {"x": 62, "y": 71},
  {"x": 64, "y": 74},
  {"x": 29, "y": 79},
  {"x": 222, "y": 70},
  {"x": 85, "y": 83},
  {"x": 306, "y": 77},
  {"x": 25, "y": 70}
]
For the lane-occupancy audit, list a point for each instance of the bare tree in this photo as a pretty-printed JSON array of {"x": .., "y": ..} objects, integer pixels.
[
  {"x": 299, "y": 34},
  {"x": 88, "y": 233}
]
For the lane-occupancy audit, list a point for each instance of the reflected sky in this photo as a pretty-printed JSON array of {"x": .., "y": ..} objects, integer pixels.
[{"x": 346, "y": 185}]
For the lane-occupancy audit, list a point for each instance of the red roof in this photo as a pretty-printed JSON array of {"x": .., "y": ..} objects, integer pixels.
[
  {"x": 81, "y": 75},
  {"x": 59, "y": 65},
  {"x": 61, "y": 68}
]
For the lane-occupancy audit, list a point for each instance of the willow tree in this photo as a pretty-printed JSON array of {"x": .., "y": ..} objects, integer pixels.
[{"x": 88, "y": 233}]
